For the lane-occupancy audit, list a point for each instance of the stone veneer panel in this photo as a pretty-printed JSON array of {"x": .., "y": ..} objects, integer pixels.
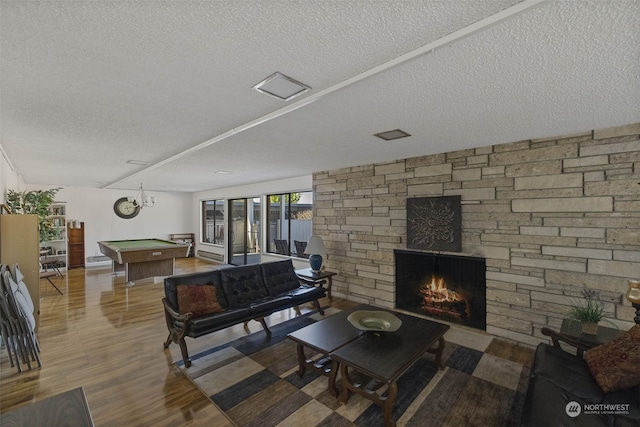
[{"x": 551, "y": 216}]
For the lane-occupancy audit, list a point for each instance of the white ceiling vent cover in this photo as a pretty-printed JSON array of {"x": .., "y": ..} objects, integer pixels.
[{"x": 282, "y": 87}]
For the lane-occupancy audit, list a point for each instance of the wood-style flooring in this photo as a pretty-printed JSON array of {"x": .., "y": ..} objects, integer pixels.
[{"x": 107, "y": 337}]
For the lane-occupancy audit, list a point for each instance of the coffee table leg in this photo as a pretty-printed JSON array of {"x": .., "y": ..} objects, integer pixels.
[
  {"x": 333, "y": 390},
  {"x": 346, "y": 383},
  {"x": 302, "y": 366},
  {"x": 387, "y": 410}
]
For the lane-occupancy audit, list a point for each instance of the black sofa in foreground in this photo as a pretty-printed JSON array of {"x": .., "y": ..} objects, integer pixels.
[
  {"x": 200, "y": 303},
  {"x": 563, "y": 389}
]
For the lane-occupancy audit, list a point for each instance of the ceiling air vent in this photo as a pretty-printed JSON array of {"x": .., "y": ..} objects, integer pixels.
[
  {"x": 282, "y": 87},
  {"x": 392, "y": 134}
]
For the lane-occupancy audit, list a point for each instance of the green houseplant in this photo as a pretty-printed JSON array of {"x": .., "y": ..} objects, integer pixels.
[
  {"x": 588, "y": 310},
  {"x": 35, "y": 202}
]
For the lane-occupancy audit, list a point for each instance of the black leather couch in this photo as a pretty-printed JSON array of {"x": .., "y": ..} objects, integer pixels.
[
  {"x": 558, "y": 378},
  {"x": 245, "y": 293}
]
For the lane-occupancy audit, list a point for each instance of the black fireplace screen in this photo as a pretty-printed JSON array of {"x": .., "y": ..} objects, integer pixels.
[{"x": 447, "y": 287}]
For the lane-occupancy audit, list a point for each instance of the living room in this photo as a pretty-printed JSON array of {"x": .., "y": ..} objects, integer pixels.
[
  {"x": 522, "y": 298},
  {"x": 551, "y": 204}
]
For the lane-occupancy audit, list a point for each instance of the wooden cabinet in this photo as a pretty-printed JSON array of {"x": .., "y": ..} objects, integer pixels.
[
  {"x": 19, "y": 243},
  {"x": 75, "y": 234}
]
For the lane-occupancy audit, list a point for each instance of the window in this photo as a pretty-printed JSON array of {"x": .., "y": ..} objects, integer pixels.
[
  {"x": 290, "y": 223},
  {"x": 213, "y": 221}
]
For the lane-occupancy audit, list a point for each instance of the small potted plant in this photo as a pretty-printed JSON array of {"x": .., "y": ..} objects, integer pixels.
[{"x": 588, "y": 310}]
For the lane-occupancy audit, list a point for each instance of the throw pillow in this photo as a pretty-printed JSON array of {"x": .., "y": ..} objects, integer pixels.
[
  {"x": 198, "y": 299},
  {"x": 616, "y": 364}
]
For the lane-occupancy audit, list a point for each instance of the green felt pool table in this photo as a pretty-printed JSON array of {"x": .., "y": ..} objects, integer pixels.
[{"x": 142, "y": 258}]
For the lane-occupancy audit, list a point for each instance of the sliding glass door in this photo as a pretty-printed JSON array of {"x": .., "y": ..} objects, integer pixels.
[{"x": 244, "y": 223}]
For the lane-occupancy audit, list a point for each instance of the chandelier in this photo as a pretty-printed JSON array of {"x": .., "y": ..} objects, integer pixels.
[{"x": 142, "y": 200}]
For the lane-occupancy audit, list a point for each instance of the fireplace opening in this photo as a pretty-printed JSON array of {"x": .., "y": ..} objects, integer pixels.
[{"x": 447, "y": 287}]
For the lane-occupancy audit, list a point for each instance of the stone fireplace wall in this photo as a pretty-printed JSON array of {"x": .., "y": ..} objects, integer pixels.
[{"x": 550, "y": 216}]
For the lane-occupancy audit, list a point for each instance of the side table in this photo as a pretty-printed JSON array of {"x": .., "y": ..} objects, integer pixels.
[
  {"x": 571, "y": 332},
  {"x": 317, "y": 277}
]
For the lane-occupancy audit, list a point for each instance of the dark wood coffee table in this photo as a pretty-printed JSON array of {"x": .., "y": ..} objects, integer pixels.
[
  {"x": 324, "y": 337},
  {"x": 385, "y": 356}
]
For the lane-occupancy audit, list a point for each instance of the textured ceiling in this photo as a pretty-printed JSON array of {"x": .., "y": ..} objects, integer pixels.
[{"x": 86, "y": 86}]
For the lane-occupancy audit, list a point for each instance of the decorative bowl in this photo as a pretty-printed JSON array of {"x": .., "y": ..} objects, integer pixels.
[{"x": 381, "y": 321}]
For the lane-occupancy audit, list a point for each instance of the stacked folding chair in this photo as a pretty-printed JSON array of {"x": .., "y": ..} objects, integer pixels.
[{"x": 17, "y": 323}]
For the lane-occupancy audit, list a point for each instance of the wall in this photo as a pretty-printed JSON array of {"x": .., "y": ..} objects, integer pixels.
[
  {"x": 550, "y": 216},
  {"x": 94, "y": 207},
  {"x": 9, "y": 179}
]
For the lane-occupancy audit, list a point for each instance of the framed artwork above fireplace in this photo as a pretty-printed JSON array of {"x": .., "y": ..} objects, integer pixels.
[{"x": 434, "y": 223}]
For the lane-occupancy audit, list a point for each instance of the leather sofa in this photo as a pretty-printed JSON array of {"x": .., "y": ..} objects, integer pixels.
[
  {"x": 558, "y": 378},
  {"x": 244, "y": 293}
]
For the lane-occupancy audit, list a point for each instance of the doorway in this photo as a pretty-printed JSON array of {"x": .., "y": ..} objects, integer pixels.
[{"x": 244, "y": 226}]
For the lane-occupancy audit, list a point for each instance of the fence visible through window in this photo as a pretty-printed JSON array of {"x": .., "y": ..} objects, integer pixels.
[{"x": 290, "y": 222}]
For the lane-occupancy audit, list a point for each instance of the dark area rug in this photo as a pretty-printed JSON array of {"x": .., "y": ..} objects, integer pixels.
[{"x": 253, "y": 380}]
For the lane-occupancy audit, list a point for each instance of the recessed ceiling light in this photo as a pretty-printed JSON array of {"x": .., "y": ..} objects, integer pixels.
[
  {"x": 392, "y": 134},
  {"x": 138, "y": 162},
  {"x": 282, "y": 87},
  {"x": 223, "y": 172}
]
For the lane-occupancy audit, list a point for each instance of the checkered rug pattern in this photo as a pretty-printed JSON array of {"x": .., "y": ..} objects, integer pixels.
[{"x": 253, "y": 380}]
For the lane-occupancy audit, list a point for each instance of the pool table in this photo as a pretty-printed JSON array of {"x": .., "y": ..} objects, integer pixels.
[{"x": 143, "y": 258}]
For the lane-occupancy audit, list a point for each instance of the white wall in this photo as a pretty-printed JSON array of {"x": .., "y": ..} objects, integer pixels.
[
  {"x": 9, "y": 179},
  {"x": 171, "y": 214}
]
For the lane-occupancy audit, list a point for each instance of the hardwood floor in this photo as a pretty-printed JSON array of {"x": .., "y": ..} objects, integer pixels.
[{"x": 107, "y": 338}]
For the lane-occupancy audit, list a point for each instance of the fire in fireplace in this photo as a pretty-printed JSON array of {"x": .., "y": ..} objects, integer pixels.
[
  {"x": 448, "y": 287},
  {"x": 440, "y": 301}
]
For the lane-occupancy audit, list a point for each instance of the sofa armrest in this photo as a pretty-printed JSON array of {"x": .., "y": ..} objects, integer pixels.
[
  {"x": 173, "y": 313},
  {"x": 556, "y": 338},
  {"x": 178, "y": 325},
  {"x": 310, "y": 282}
]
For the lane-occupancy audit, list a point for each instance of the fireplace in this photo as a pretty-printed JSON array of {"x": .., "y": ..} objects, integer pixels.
[{"x": 447, "y": 287}]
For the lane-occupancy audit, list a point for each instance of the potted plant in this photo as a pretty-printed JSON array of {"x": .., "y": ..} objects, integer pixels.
[
  {"x": 588, "y": 310},
  {"x": 35, "y": 202}
]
